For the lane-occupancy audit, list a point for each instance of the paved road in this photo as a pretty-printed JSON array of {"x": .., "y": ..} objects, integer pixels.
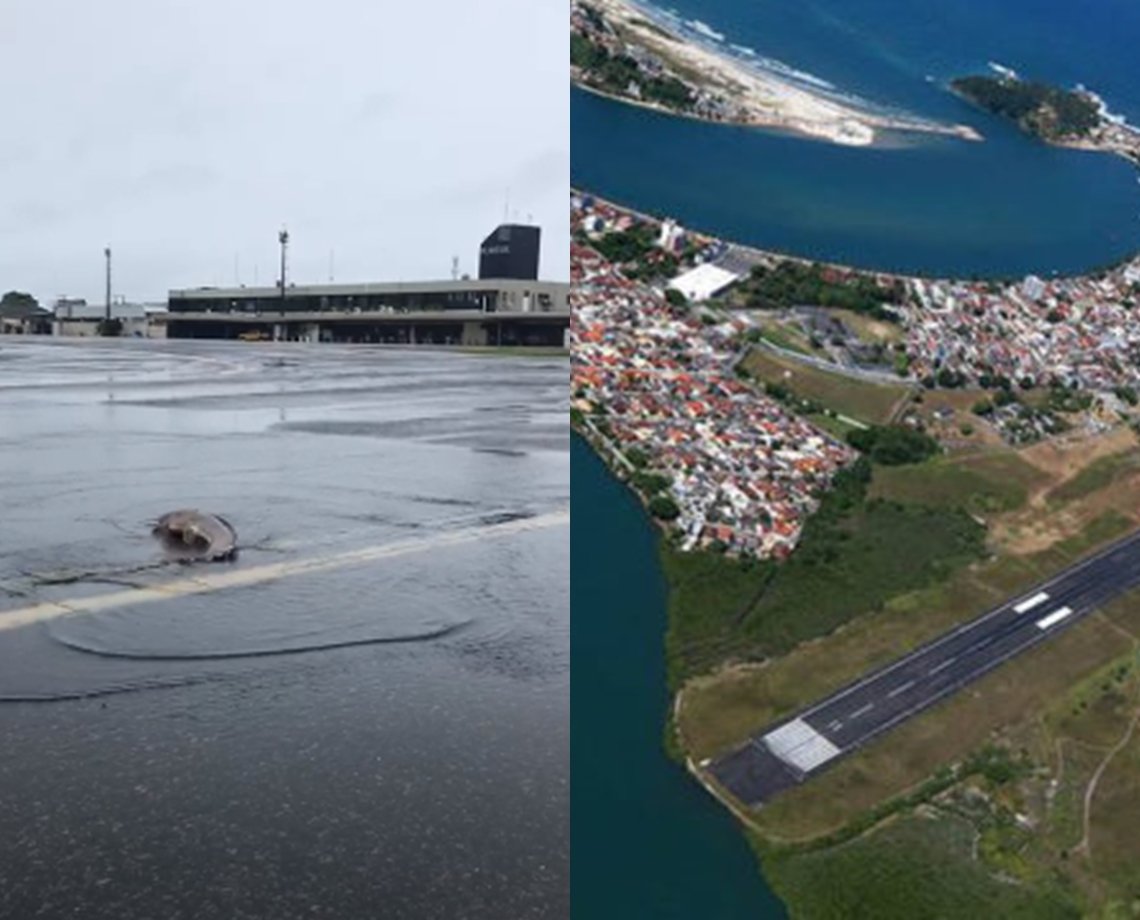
[{"x": 791, "y": 751}]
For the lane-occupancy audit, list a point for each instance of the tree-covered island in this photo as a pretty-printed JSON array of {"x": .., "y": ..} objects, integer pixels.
[{"x": 1071, "y": 118}]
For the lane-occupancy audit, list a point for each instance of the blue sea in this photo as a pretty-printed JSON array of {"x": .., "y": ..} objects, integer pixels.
[{"x": 928, "y": 204}]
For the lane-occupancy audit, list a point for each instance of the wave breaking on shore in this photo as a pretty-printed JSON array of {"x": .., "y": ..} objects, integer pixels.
[{"x": 770, "y": 92}]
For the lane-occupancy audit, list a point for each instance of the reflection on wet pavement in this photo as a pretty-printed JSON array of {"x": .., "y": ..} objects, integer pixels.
[{"x": 375, "y": 693}]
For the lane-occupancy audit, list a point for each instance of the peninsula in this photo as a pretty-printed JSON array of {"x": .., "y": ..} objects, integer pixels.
[
  {"x": 617, "y": 51},
  {"x": 1068, "y": 118}
]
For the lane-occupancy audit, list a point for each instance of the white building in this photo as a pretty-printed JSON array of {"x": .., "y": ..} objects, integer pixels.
[{"x": 703, "y": 282}]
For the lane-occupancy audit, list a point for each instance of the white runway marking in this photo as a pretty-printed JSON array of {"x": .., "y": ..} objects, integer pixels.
[
  {"x": 219, "y": 580},
  {"x": 1039, "y": 598},
  {"x": 862, "y": 711},
  {"x": 943, "y": 666},
  {"x": 902, "y": 688},
  {"x": 800, "y": 745},
  {"x": 1055, "y": 617}
]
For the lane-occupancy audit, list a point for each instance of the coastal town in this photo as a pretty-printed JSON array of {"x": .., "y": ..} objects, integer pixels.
[
  {"x": 658, "y": 385},
  {"x": 657, "y": 342},
  {"x": 1081, "y": 332}
]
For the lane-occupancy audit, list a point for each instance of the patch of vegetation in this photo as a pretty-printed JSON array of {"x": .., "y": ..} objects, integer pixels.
[
  {"x": 636, "y": 251},
  {"x": 917, "y": 869},
  {"x": 650, "y": 483},
  {"x": 1099, "y": 474},
  {"x": 984, "y": 484},
  {"x": 1045, "y": 111},
  {"x": 617, "y": 73},
  {"x": 637, "y": 457},
  {"x": 18, "y": 303},
  {"x": 622, "y": 246},
  {"x": 863, "y": 400},
  {"x": 854, "y": 555},
  {"x": 1068, "y": 399},
  {"x": 792, "y": 284},
  {"x": 893, "y": 445},
  {"x": 663, "y": 508},
  {"x": 781, "y": 337}
]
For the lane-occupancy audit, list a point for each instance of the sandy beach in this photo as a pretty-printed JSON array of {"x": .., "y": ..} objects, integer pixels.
[{"x": 763, "y": 99}]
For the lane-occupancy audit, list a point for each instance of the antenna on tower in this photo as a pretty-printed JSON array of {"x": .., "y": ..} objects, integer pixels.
[
  {"x": 507, "y": 205},
  {"x": 332, "y": 265},
  {"x": 455, "y": 268}
]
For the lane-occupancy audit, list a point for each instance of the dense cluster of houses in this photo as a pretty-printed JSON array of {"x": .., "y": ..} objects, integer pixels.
[
  {"x": 1081, "y": 331},
  {"x": 659, "y": 383}
]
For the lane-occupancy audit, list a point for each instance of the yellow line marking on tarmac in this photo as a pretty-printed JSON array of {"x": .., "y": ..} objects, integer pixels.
[{"x": 237, "y": 578}]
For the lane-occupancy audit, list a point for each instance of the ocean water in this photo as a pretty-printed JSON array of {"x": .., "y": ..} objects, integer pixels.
[
  {"x": 647, "y": 841},
  {"x": 934, "y": 205}
]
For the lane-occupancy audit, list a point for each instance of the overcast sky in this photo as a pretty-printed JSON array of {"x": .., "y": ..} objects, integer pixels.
[{"x": 183, "y": 133}]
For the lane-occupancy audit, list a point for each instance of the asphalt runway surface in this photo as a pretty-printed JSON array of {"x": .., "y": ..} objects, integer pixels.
[
  {"x": 793, "y": 750},
  {"x": 365, "y": 714}
]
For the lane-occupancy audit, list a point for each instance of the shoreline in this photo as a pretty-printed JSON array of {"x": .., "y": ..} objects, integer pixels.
[
  {"x": 757, "y": 98},
  {"x": 664, "y": 808},
  {"x": 762, "y": 254}
]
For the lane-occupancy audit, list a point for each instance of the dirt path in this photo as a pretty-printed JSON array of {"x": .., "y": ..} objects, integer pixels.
[{"x": 1085, "y": 845}]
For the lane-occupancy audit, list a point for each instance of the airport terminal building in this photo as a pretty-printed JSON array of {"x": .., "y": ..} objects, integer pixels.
[
  {"x": 460, "y": 312},
  {"x": 494, "y": 309}
]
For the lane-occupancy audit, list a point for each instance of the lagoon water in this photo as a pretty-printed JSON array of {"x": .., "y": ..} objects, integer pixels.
[
  {"x": 647, "y": 841},
  {"x": 935, "y": 205}
]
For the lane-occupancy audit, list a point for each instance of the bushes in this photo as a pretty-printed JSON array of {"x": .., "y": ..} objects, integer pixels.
[
  {"x": 1046, "y": 111},
  {"x": 650, "y": 483},
  {"x": 893, "y": 445},
  {"x": 637, "y": 457},
  {"x": 793, "y": 284}
]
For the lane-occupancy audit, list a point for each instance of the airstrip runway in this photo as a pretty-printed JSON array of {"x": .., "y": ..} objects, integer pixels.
[{"x": 789, "y": 752}]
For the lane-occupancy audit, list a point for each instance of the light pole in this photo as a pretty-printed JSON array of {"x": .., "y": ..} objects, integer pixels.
[
  {"x": 283, "y": 239},
  {"x": 107, "y": 312}
]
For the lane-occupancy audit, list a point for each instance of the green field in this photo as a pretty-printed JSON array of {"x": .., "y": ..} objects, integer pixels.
[
  {"x": 831, "y": 424},
  {"x": 982, "y": 483},
  {"x": 873, "y": 403},
  {"x": 855, "y": 554},
  {"x": 787, "y": 339},
  {"x": 917, "y": 868}
]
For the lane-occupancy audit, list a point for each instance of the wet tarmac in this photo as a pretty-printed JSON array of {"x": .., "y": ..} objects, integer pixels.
[{"x": 365, "y": 714}]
